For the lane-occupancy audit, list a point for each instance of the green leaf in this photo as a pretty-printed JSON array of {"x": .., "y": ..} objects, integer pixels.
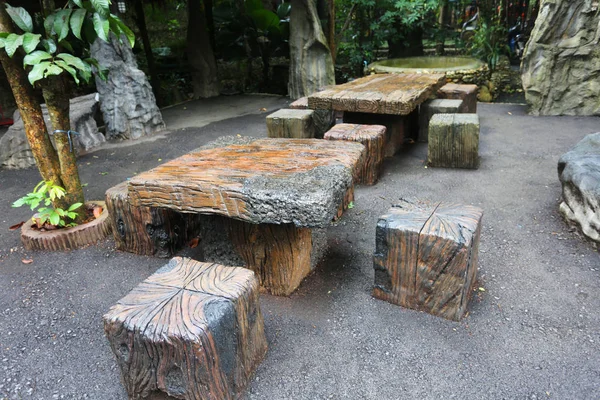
[
  {"x": 101, "y": 26},
  {"x": 2, "y": 42},
  {"x": 49, "y": 45},
  {"x": 66, "y": 45},
  {"x": 253, "y": 5},
  {"x": 283, "y": 11},
  {"x": 77, "y": 22},
  {"x": 75, "y": 206},
  {"x": 68, "y": 68},
  {"x": 127, "y": 32},
  {"x": 78, "y": 3},
  {"x": 12, "y": 43},
  {"x": 265, "y": 19},
  {"x": 49, "y": 25},
  {"x": 101, "y": 6},
  {"x": 61, "y": 23},
  {"x": 30, "y": 41},
  {"x": 19, "y": 202},
  {"x": 37, "y": 72},
  {"x": 54, "y": 218},
  {"x": 61, "y": 212},
  {"x": 53, "y": 69},
  {"x": 72, "y": 215},
  {"x": 20, "y": 17},
  {"x": 35, "y": 57}
]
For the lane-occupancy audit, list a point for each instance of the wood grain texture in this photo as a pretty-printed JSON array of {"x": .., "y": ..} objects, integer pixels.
[
  {"x": 453, "y": 141},
  {"x": 67, "y": 238},
  {"x": 279, "y": 255},
  {"x": 300, "y": 104},
  {"x": 192, "y": 330},
  {"x": 397, "y": 128},
  {"x": 300, "y": 181},
  {"x": 148, "y": 231},
  {"x": 466, "y": 93},
  {"x": 426, "y": 257},
  {"x": 291, "y": 124},
  {"x": 436, "y": 106},
  {"x": 373, "y": 138},
  {"x": 396, "y": 94}
]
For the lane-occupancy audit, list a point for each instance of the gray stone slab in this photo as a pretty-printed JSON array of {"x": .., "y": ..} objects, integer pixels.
[{"x": 436, "y": 106}]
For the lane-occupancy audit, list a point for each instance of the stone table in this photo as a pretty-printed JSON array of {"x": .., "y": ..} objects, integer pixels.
[
  {"x": 272, "y": 192},
  {"x": 382, "y": 99}
]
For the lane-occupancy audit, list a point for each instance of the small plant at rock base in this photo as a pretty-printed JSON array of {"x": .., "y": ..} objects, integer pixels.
[{"x": 47, "y": 216}]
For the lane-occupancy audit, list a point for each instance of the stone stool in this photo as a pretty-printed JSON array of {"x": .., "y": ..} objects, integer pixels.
[
  {"x": 453, "y": 141},
  {"x": 323, "y": 119},
  {"x": 191, "y": 330},
  {"x": 148, "y": 231},
  {"x": 426, "y": 257},
  {"x": 436, "y": 106},
  {"x": 373, "y": 138},
  {"x": 293, "y": 124},
  {"x": 467, "y": 93}
]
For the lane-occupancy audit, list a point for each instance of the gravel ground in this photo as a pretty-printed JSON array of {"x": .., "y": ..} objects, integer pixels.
[{"x": 533, "y": 333}]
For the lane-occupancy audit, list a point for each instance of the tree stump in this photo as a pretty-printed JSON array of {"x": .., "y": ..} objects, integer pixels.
[
  {"x": 437, "y": 106},
  {"x": 148, "y": 231},
  {"x": 291, "y": 124},
  {"x": 373, "y": 138},
  {"x": 426, "y": 257},
  {"x": 192, "y": 330},
  {"x": 454, "y": 141},
  {"x": 323, "y": 119},
  {"x": 466, "y": 93}
]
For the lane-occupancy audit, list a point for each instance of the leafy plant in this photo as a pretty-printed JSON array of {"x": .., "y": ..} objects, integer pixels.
[
  {"x": 489, "y": 43},
  {"x": 44, "y": 194}
]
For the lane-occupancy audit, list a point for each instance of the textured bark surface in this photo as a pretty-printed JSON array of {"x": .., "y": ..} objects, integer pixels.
[
  {"x": 426, "y": 257},
  {"x": 200, "y": 54},
  {"x": 127, "y": 102},
  {"x": 579, "y": 173},
  {"x": 466, "y": 93},
  {"x": 191, "y": 330},
  {"x": 311, "y": 65},
  {"x": 277, "y": 181},
  {"x": 453, "y": 141},
  {"x": 437, "y": 106},
  {"x": 397, "y": 127},
  {"x": 373, "y": 138},
  {"x": 67, "y": 238},
  {"x": 323, "y": 119},
  {"x": 145, "y": 230},
  {"x": 561, "y": 64},
  {"x": 291, "y": 124},
  {"x": 396, "y": 94}
]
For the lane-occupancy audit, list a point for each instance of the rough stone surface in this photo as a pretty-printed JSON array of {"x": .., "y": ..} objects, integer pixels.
[
  {"x": 126, "y": 99},
  {"x": 466, "y": 93},
  {"x": 437, "y": 106},
  {"x": 579, "y": 174},
  {"x": 453, "y": 141},
  {"x": 323, "y": 119},
  {"x": 291, "y": 123},
  {"x": 561, "y": 65},
  {"x": 14, "y": 147}
]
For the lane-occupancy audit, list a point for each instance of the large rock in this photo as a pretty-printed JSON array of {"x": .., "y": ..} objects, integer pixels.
[
  {"x": 579, "y": 173},
  {"x": 14, "y": 147},
  {"x": 126, "y": 99},
  {"x": 561, "y": 65}
]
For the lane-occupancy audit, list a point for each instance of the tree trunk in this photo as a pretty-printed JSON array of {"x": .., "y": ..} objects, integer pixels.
[
  {"x": 311, "y": 64},
  {"x": 56, "y": 95},
  {"x": 200, "y": 55},
  {"x": 210, "y": 22},
  {"x": 331, "y": 30},
  {"x": 31, "y": 112},
  {"x": 140, "y": 20}
]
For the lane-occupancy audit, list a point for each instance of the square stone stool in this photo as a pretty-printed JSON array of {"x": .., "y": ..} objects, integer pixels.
[
  {"x": 436, "y": 106},
  {"x": 467, "y": 93},
  {"x": 191, "y": 330},
  {"x": 323, "y": 119},
  {"x": 426, "y": 257},
  {"x": 373, "y": 138},
  {"x": 453, "y": 141},
  {"x": 291, "y": 124}
]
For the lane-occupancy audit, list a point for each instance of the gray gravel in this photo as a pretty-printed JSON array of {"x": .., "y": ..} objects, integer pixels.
[{"x": 533, "y": 332}]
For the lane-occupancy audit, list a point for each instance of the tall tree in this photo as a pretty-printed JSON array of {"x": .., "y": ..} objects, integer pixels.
[
  {"x": 200, "y": 54},
  {"x": 311, "y": 64}
]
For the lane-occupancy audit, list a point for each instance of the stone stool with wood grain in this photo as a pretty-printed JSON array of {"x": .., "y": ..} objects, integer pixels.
[
  {"x": 466, "y": 93},
  {"x": 291, "y": 124},
  {"x": 192, "y": 330},
  {"x": 323, "y": 119},
  {"x": 453, "y": 141},
  {"x": 373, "y": 138},
  {"x": 436, "y": 106},
  {"x": 426, "y": 257},
  {"x": 148, "y": 231}
]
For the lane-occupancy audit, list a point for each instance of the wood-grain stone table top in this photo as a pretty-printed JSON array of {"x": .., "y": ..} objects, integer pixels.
[
  {"x": 395, "y": 94},
  {"x": 275, "y": 181}
]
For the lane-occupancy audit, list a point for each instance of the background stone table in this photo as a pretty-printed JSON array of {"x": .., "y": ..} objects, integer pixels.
[
  {"x": 270, "y": 191},
  {"x": 383, "y": 99}
]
